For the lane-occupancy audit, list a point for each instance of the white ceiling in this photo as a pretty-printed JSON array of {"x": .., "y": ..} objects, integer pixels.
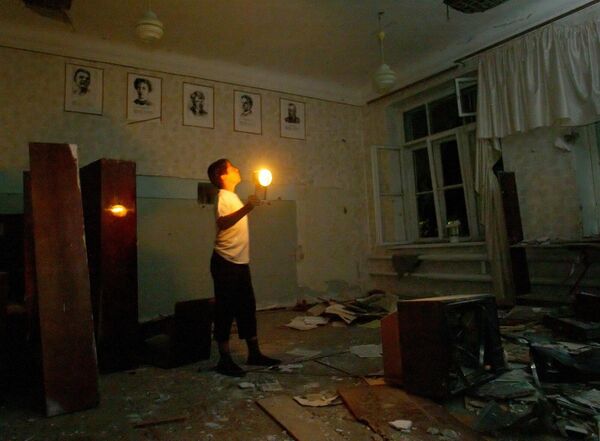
[{"x": 321, "y": 48}]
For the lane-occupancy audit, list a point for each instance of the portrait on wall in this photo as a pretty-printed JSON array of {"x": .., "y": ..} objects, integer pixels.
[
  {"x": 83, "y": 89},
  {"x": 144, "y": 94},
  {"x": 247, "y": 111},
  {"x": 291, "y": 118},
  {"x": 198, "y": 106}
]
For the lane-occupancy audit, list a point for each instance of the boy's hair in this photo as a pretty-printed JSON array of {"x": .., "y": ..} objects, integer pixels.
[{"x": 216, "y": 170}]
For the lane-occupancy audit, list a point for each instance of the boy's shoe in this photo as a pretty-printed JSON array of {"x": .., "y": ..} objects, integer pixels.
[
  {"x": 227, "y": 366},
  {"x": 262, "y": 360}
]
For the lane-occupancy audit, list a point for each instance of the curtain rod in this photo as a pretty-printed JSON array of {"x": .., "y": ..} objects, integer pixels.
[{"x": 533, "y": 28}]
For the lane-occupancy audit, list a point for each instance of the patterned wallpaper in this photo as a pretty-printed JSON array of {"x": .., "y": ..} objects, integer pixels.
[{"x": 324, "y": 174}]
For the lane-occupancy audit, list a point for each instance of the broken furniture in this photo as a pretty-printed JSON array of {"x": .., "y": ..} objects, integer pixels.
[
  {"x": 182, "y": 338},
  {"x": 108, "y": 188},
  {"x": 68, "y": 357},
  {"x": 391, "y": 353},
  {"x": 514, "y": 231},
  {"x": 448, "y": 343}
]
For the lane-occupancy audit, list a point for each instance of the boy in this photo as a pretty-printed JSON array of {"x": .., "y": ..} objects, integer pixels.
[{"x": 230, "y": 270}]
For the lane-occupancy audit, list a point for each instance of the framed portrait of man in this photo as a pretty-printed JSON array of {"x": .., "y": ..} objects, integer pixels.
[
  {"x": 144, "y": 96},
  {"x": 198, "y": 106},
  {"x": 247, "y": 112},
  {"x": 83, "y": 89},
  {"x": 292, "y": 119}
]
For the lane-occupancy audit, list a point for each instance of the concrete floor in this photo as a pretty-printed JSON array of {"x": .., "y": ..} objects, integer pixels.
[{"x": 214, "y": 407}]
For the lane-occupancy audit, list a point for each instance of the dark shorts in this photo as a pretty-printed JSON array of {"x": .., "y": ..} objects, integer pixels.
[{"x": 234, "y": 298}]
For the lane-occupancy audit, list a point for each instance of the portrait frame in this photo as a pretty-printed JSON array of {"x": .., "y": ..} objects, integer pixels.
[
  {"x": 146, "y": 103},
  {"x": 247, "y": 120},
  {"x": 292, "y": 119},
  {"x": 82, "y": 98},
  {"x": 201, "y": 114}
]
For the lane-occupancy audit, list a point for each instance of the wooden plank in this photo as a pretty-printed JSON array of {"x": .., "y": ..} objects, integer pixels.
[
  {"x": 299, "y": 423},
  {"x": 378, "y": 405},
  {"x": 70, "y": 372}
]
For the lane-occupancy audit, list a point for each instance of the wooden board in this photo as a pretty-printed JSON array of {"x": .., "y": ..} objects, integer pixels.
[
  {"x": 70, "y": 373},
  {"x": 299, "y": 423},
  {"x": 378, "y": 405}
]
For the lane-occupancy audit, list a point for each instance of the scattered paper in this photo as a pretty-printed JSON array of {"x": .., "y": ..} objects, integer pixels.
[
  {"x": 401, "y": 424},
  {"x": 317, "y": 399},
  {"x": 304, "y": 323},
  {"x": 341, "y": 312},
  {"x": 366, "y": 351},
  {"x": 305, "y": 353},
  {"x": 289, "y": 367},
  {"x": 270, "y": 385},
  {"x": 246, "y": 385}
]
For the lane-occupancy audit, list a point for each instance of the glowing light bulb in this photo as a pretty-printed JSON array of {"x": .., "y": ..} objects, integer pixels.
[
  {"x": 264, "y": 177},
  {"x": 118, "y": 210}
]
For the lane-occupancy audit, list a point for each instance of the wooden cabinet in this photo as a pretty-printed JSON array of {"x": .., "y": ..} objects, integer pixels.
[{"x": 111, "y": 241}]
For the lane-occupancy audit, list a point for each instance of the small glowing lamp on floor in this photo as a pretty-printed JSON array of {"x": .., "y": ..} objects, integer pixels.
[
  {"x": 263, "y": 178},
  {"x": 453, "y": 228},
  {"x": 118, "y": 210}
]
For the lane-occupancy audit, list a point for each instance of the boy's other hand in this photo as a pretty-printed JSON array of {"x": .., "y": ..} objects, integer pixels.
[{"x": 253, "y": 200}]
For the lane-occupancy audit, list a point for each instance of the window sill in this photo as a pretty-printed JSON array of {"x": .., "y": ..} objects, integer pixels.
[{"x": 445, "y": 244}]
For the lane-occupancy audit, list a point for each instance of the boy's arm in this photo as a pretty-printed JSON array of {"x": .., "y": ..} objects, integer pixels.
[{"x": 228, "y": 221}]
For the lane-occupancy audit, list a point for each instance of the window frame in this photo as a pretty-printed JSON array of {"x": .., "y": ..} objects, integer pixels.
[{"x": 464, "y": 138}]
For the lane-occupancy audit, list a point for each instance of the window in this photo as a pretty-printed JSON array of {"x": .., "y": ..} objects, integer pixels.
[{"x": 427, "y": 181}]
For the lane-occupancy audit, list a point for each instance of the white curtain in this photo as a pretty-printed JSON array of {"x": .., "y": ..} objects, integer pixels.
[{"x": 548, "y": 77}]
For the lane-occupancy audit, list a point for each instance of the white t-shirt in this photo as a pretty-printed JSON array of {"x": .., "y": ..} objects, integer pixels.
[{"x": 233, "y": 244}]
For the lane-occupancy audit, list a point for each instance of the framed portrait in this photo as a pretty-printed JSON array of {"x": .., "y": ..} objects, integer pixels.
[
  {"x": 198, "y": 106},
  {"x": 247, "y": 112},
  {"x": 144, "y": 96},
  {"x": 83, "y": 89},
  {"x": 292, "y": 119}
]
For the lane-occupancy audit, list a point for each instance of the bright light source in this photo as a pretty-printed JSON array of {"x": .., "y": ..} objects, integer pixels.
[
  {"x": 118, "y": 210},
  {"x": 264, "y": 177}
]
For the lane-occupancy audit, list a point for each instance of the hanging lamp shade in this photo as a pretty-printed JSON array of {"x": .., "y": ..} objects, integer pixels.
[
  {"x": 384, "y": 77},
  {"x": 149, "y": 28}
]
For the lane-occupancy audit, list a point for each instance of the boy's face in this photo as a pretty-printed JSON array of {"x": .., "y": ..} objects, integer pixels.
[{"x": 232, "y": 175}]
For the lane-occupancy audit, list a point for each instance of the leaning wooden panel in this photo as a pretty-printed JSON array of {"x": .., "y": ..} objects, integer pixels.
[{"x": 70, "y": 371}]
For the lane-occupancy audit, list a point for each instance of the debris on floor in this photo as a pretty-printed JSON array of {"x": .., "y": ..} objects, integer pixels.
[
  {"x": 318, "y": 399},
  {"x": 366, "y": 351}
]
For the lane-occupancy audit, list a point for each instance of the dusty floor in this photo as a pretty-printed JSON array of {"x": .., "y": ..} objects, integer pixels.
[
  {"x": 214, "y": 407},
  {"x": 210, "y": 406}
]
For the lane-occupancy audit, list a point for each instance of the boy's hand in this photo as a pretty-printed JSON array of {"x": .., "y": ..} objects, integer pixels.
[{"x": 253, "y": 201}]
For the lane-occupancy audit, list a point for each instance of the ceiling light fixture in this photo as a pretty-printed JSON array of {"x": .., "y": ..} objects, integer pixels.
[
  {"x": 384, "y": 77},
  {"x": 149, "y": 28}
]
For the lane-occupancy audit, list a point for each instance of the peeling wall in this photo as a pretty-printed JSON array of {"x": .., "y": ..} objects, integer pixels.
[
  {"x": 324, "y": 174},
  {"x": 546, "y": 184}
]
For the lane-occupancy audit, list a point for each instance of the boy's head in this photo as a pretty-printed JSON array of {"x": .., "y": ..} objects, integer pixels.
[
  {"x": 216, "y": 170},
  {"x": 223, "y": 174}
]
